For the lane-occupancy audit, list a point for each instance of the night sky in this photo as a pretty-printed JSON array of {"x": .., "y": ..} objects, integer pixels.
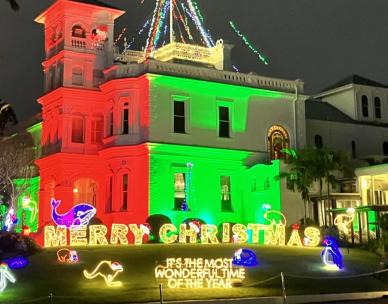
[{"x": 319, "y": 41}]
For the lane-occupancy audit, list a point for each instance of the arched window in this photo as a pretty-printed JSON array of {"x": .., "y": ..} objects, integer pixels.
[
  {"x": 377, "y": 107},
  {"x": 125, "y": 119},
  {"x": 278, "y": 140},
  {"x": 364, "y": 105},
  {"x": 77, "y": 76},
  {"x": 318, "y": 141},
  {"x": 78, "y": 31},
  {"x": 385, "y": 148},
  {"x": 85, "y": 191}
]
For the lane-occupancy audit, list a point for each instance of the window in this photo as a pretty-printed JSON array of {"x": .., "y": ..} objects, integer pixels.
[
  {"x": 179, "y": 190},
  {"x": 124, "y": 203},
  {"x": 354, "y": 154},
  {"x": 78, "y": 31},
  {"x": 111, "y": 122},
  {"x": 277, "y": 141},
  {"x": 318, "y": 141},
  {"x": 377, "y": 107},
  {"x": 179, "y": 117},
  {"x": 85, "y": 191},
  {"x": 97, "y": 131},
  {"x": 77, "y": 130},
  {"x": 125, "y": 120},
  {"x": 364, "y": 104},
  {"x": 385, "y": 148},
  {"x": 78, "y": 78},
  {"x": 226, "y": 197},
  {"x": 223, "y": 122}
]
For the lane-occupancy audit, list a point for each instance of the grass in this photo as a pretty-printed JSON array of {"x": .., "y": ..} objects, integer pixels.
[{"x": 45, "y": 275}]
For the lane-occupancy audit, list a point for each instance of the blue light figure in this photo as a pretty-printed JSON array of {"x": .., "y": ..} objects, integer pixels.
[
  {"x": 244, "y": 257},
  {"x": 18, "y": 262},
  {"x": 331, "y": 255}
]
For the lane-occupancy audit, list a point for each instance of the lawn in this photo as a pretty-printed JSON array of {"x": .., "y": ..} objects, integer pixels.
[{"x": 45, "y": 275}]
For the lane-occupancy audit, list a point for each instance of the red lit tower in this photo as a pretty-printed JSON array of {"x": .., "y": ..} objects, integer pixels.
[{"x": 80, "y": 163}]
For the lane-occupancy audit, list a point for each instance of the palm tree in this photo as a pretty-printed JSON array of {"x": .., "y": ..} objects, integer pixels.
[
  {"x": 325, "y": 163},
  {"x": 299, "y": 176},
  {"x": 7, "y": 115},
  {"x": 14, "y": 5}
]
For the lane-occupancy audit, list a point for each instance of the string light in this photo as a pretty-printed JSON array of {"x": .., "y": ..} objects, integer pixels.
[
  {"x": 295, "y": 237},
  {"x": 97, "y": 235},
  {"x": 67, "y": 256},
  {"x": 108, "y": 271},
  {"x": 5, "y": 276},
  {"x": 313, "y": 236},
  {"x": 185, "y": 232},
  {"x": 138, "y": 232},
  {"x": 209, "y": 233},
  {"x": 331, "y": 255},
  {"x": 120, "y": 35},
  {"x": 78, "y": 236},
  {"x": 55, "y": 236},
  {"x": 247, "y": 43},
  {"x": 244, "y": 257},
  {"x": 119, "y": 234},
  {"x": 274, "y": 234},
  {"x": 165, "y": 230},
  {"x": 199, "y": 273},
  {"x": 18, "y": 262},
  {"x": 32, "y": 206},
  {"x": 344, "y": 220},
  {"x": 240, "y": 232},
  {"x": 79, "y": 215}
]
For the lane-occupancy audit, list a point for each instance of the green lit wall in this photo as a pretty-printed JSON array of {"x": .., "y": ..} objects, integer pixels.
[
  {"x": 250, "y": 187},
  {"x": 28, "y": 216},
  {"x": 30, "y": 187}
]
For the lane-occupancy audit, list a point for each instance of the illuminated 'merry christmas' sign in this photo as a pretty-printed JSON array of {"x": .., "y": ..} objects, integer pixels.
[
  {"x": 199, "y": 272},
  {"x": 273, "y": 234}
]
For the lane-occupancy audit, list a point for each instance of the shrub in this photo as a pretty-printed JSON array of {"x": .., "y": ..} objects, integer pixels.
[
  {"x": 156, "y": 221},
  {"x": 15, "y": 244}
]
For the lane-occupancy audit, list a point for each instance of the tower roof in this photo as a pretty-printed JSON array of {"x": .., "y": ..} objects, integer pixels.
[{"x": 96, "y": 2}]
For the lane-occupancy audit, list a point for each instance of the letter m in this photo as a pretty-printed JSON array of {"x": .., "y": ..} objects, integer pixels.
[{"x": 55, "y": 236}]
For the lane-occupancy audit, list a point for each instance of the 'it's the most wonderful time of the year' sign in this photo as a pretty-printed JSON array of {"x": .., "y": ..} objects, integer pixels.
[{"x": 271, "y": 234}]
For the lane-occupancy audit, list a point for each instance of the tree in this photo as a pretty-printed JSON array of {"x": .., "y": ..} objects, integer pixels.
[
  {"x": 312, "y": 165},
  {"x": 325, "y": 162},
  {"x": 17, "y": 157},
  {"x": 14, "y": 5},
  {"x": 299, "y": 176},
  {"x": 7, "y": 115}
]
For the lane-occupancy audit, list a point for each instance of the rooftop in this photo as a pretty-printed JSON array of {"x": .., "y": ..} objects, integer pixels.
[
  {"x": 320, "y": 110},
  {"x": 201, "y": 73},
  {"x": 95, "y": 2},
  {"x": 355, "y": 79}
]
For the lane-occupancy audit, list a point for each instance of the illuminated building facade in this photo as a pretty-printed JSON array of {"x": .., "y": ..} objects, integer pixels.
[{"x": 148, "y": 137}]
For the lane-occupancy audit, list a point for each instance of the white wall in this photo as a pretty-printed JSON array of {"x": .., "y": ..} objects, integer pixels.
[
  {"x": 253, "y": 113},
  {"x": 338, "y": 136}
]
